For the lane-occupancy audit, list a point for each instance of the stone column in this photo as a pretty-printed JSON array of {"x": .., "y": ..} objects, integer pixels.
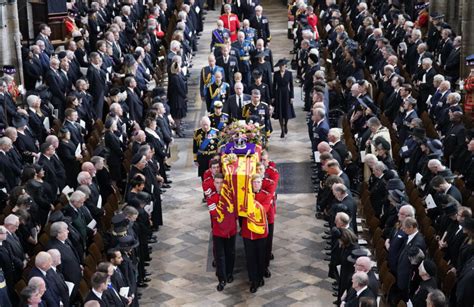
[
  {"x": 440, "y": 6},
  {"x": 10, "y": 37},
  {"x": 467, "y": 33}
]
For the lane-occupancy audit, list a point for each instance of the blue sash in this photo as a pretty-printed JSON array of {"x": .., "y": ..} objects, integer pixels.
[
  {"x": 218, "y": 36},
  {"x": 207, "y": 140}
]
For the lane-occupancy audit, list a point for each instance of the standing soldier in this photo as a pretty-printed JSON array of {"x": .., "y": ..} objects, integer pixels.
[
  {"x": 260, "y": 24},
  {"x": 231, "y": 22},
  {"x": 205, "y": 143},
  {"x": 217, "y": 91},
  {"x": 224, "y": 229},
  {"x": 219, "y": 35},
  {"x": 219, "y": 119},
  {"x": 250, "y": 33}
]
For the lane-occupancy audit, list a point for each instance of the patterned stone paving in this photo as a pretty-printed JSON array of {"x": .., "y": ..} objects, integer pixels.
[{"x": 181, "y": 269}]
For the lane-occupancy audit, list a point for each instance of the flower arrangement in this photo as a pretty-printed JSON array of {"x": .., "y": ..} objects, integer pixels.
[{"x": 239, "y": 131}]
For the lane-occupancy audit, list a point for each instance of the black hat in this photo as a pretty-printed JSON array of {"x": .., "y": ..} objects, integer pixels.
[
  {"x": 435, "y": 146},
  {"x": 58, "y": 216},
  {"x": 430, "y": 267},
  {"x": 19, "y": 120},
  {"x": 9, "y": 69},
  {"x": 468, "y": 224},
  {"x": 261, "y": 54},
  {"x": 397, "y": 196},
  {"x": 382, "y": 143},
  {"x": 256, "y": 73},
  {"x": 470, "y": 60},
  {"x": 64, "y": 130},
  {"x": 62, "y": 55},
  {"x": 450, "y": 209},
  {"x": 127, "y": 241},
  {"x": 395, "y": 184},
  {"x": 418, "y": 132},
  {"x": 436, "y": 16},
  {"x": 119, "y": 223},
  {"x": 281, "y": 62},
  {"x": 159, "y": 91},
  {"x": 144, "y": 197},
  {"x": 356, "y": 253},
  {"x": 137, "y": 158},
  {"x": 313, "y": 57}
]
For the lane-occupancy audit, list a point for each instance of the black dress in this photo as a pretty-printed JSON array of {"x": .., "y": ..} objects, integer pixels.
[
  {"x": 283, "y": 93},
  {"x": 177, "y": 91}
]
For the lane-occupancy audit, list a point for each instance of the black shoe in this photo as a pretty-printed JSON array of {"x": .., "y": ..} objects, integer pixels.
[
  {"x": 221, "y": 286},
  {"x": 168, "y": 181},
  {"x": 336, "y": 302},
  {"x": 146, "y": 264},
  {"x": 253, "y": 288},
  {"x": 152, "y": 241},
  {"x": 204, "y": 200},
  {"x": 286, "y": 129},
  {"x": 146, "y": 279},
  {"x": 147, "y": 274},
  {"x": 326, "y": 237},
  {"x": 282, "y": 135},
  {"x": 335, "y": 288},
  {"x": 327, "y": 232},
  {"x": 141, "y": 284},
  {"x": 166, "y": 186},
  {"x": 230, "y": 279},
  {"x": 267, "y": 273},
  {"x": 326, "y": 225},
  {"x": 328, "y": 253},
  {"x": 335, "y": 294},
  {"x": 213, "y": 263},
  {"x": 327, "y": 248},
  {"x": 261, "y": 283},
  {"x": 327, "y": 258},
  {"x": 272, "y": 257}
]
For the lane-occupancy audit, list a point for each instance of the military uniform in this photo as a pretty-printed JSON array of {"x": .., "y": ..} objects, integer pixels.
[
  {"x": 260, "y": 24},
  {"x": 204, "y": 148},
  {"x": 250, "y": 35},
  {"x": 217, "y": 93},
  {"x": 219, "y": 121},
  {"x": 218, "y": 38},
  {"x": 244, "y": 48},
  {"x": 259, "y": 113},
  {"x": 207, "y": 78}
]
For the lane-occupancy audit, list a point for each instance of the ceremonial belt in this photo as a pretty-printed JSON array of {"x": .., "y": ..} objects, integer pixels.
[
  {"x": 244, "y": 58},
  {"x": 207, "y": 152},
  {"x": 219, "y": 45}
]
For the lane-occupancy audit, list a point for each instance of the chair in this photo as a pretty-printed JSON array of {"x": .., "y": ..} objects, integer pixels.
[
  {"x": 448, "y": 283},
  {"x": 20, "y": 285},
  {"x": 95, "y": 252},
  {"x": 83, "y": 289},
  {"x": 91, "y": 263},
  {"x": 99, "y": 241}
]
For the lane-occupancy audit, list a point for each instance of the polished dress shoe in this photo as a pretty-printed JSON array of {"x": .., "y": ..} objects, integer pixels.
[
  {"x": 146, "y": 264},
  {"x": 253, "y": 287},
  {"x": 230, "y": 279},
  {"x": 327, "y": 232},
  {"x": 220, "y": 286},
  {"x": 326, "y": 225},
  {"x": 146, "y": 279},
  {"x": 147, "y": 274},
  {"x": 168, "y": 181},
  {"x": 267, "y": 273},
  {"x": 152, "y": 241},
  {"x": 166, "y": 186},
  {"x": 327, "y": 248},
  {"x": 326, "y": 237},
  {"x": 141, "y": 284},
  {"x": 282, "y": 135},
  {"x": 213, "y": 263},
  {"x": 261, "y": 283},
  {"x": 327, "y": 258},
  {"x": 335, "y": 294}
]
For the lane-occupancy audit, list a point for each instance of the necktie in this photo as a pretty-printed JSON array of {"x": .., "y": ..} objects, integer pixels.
[{"x": 240, "y": 102}]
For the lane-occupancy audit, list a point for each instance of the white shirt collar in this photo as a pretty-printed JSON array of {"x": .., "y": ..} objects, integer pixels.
[
  {"x": 361, "y": 290},
  {"x": 98, "y": 294},
  {"x": 410, "y": 237}
]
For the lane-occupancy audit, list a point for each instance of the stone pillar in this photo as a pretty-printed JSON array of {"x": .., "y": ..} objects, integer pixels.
[
  {"x": 467, "y": 33},
  {"x": 10, "y": 37},
  {"x": 440, "y": 6}
]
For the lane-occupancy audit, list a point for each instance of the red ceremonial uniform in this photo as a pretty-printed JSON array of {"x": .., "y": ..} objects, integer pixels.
[
  {"x": 247, "y": 234},
  {"x": 469, "y": 101},
  {"x": 228, "y": 227},
  {"x": 208, "y": 186},
  {"x": 231, "y": 23},
  {"x": 270, "y": 184}
]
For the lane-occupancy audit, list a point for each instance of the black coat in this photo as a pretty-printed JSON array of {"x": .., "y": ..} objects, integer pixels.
[
  {"x": 231, "y": 106},
  {"x": 67, "y": 154},
  {"x": 134, "y": 106},
  {"x": 98, "y": 88},
  {"x": 10, "y": 171},
  {"x": 283, "y": 93},
  {"x": 7, "y": 266},
  {"x": 33, "y": 72},
  {"x": 51, "y": 296},
  {"x": 76, "y": 132},
  {"x": 114, "y": 161},
  {"x": 177, "y": 92},
  {"x": 70, "y": 265},
  {"x": 230, "y": 68},
  {"x": 353, "y": 299},
  {"x": 404, "y": 268},
  {"x": 92, "y": 297},
  {"x": 419, "y": 297}
]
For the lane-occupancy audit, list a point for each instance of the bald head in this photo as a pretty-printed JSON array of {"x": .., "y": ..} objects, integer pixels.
[{"x": 324, "y": 147}]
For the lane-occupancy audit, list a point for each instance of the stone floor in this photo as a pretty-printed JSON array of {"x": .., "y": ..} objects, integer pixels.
[{"x": 181, "y": 270}]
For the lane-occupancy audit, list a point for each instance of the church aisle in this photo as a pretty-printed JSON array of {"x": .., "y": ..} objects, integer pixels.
[{"x": 181, "y": 267}]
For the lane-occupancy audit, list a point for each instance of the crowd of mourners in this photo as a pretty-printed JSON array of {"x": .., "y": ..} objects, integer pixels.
[
  {"x": 389, "y": 119},
  {"x": 84, "y": 144}
]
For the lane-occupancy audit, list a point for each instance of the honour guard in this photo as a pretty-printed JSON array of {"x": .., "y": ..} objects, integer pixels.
[
  {"x": 208, "y": 76},
  {"x": 219, "y": 119},
  {"x": 205, "y": 143},
  {"x": 231, "y": 22},
  {"x": 219, "y": 35},
  {"x": 244, "y": 47},
  {"x": 217, "y": 91},
  {"x": 208, "y": 186},
  {"x": 224, "y": 229}
]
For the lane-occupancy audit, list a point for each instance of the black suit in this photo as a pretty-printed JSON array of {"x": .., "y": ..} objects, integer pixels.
[
  {"x": 451, "y": 67},
  {"x": 70, "y": 266},
  {"x": 234, "y": 108},
  {"x": 9, "y": 170},
  {"x": 51, "y": 296},
  {"x": 98, "y": 88},
  {"x": 114, "y": 161},
  {"x": 404, "y": 268},
  {"x": 134, "y": 106},
  {"x": 33, "y": 72},
  {"x": 230, "y": 68},
  {"x": 92, "y": 297},
  {"x": 352, "y": 299},
  {"x": 58, "y": 89},
  {"x": 49, "y": 48},
  {"x": 75, "y": 130},
  {"x": 50, "y": 173},
  {"x": 6, "y": 265}
]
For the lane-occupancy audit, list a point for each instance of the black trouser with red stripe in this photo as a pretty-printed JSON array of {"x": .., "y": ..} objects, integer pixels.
[
  {"x": 255, "y": 257},
  {"x": 224, "y": 256},
  {"x": 269, "y": 245}
]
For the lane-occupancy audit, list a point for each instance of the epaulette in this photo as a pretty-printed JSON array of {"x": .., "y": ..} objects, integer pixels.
[
  {"x": 265, "y": 191},
  {"x": 217, "y": 130},
  {"x": 264, "y": 103},
  {"x": 225, "y": 114},
  {"x": 273, "y": 168},
  {"x": 271, "y": 180}
]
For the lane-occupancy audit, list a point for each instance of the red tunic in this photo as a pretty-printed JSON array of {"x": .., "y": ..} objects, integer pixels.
[
  {"x": 270, "y": 184},
  {"x": 228, "y": 227},
  {"x": 469, "y": 88},
  {"x": 208, "y": 186},
  {"x": 231, "y": 23}
]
